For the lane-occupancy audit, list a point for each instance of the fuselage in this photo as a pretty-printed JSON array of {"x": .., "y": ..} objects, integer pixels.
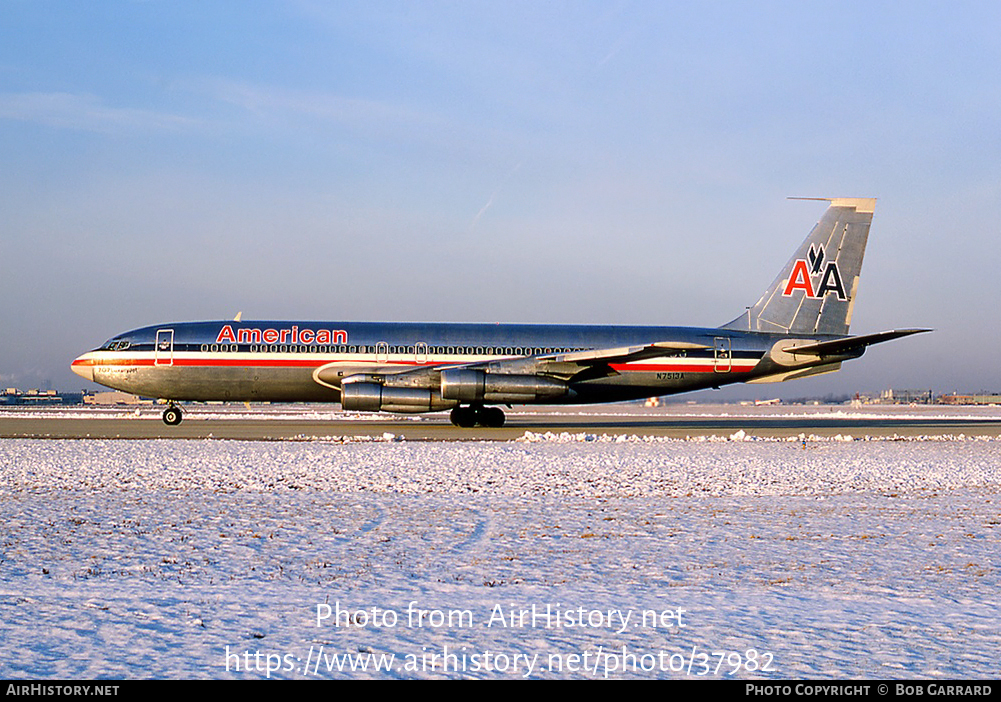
[{"x": 287, "y": 361}]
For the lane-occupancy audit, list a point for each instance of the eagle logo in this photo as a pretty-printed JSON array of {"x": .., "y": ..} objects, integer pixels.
[{"x": 813, "y": 277}]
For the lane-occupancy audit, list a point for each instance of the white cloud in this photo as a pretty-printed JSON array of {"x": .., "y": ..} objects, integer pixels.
[{"x": 84, "y": 112}]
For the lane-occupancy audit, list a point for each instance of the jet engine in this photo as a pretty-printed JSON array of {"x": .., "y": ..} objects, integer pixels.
[
  {"x": 468, "y": 385},
  {"x": 374, "y": 397}
]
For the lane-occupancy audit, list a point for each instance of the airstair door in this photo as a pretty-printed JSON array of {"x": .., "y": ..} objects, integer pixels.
[
  {"x": 163, "y": 352},
  {"x": 722, "y": 361}
]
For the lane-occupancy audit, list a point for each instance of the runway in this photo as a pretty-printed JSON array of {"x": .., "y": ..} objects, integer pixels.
[{"x": 305, "y": 422}]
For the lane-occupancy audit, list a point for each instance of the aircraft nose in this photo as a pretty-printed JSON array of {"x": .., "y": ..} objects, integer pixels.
[{"x": 83, "y": 366}]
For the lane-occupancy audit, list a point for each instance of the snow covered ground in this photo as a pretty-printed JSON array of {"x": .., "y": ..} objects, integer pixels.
[
  {"x": 554, "y": 556},
  {"x": 333, "y": 412}
]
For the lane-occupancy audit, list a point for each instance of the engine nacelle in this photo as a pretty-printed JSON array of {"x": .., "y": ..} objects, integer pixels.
[
  {"x": 375, "y": 397},
  {"x": 469, "y": 385}
]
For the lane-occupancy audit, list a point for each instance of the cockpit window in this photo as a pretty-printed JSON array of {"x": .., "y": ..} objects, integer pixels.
[{"x": 116, "y": 345}]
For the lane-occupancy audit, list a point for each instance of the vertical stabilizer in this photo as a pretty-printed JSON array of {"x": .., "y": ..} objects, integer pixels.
[{"x": 814, "y": 292}]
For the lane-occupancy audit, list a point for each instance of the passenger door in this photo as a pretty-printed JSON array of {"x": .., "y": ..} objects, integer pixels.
[
  {"x": 722, "y": 362},
  {"x": 163, "y": 351}
]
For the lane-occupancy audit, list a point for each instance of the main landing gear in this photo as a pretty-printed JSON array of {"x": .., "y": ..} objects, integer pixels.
[
  {"x": 471, "y": 416},
  {"x": 172, "y": 415}
]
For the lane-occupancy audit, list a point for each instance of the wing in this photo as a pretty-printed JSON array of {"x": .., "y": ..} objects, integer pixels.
[
  {"x": 586, "y": 365},
  {"x": 566, "y": 367}
]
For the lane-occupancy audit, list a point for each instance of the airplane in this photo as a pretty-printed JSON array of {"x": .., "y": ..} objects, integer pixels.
[{"x": 798, "y": 328}]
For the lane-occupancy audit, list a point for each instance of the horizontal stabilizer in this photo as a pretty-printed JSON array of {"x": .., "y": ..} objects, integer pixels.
[{"x": 850, "y": 344}]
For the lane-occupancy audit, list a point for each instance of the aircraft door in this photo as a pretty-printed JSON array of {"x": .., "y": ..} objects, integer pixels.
[
  {"x": 421, "y": 353},
  {"x": 382, "y": 352},
  {"x": 722, "y": 362},
  {"x": 163, "y": 351}
]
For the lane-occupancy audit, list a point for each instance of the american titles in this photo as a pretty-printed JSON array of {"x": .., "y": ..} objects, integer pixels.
[{"x": 293, "y": 335}]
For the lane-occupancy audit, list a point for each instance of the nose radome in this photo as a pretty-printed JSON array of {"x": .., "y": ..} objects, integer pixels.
[{"x": 82, "y": 367}]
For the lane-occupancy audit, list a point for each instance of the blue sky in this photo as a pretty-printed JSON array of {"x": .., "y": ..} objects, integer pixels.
[{"x": 516, "y": 162}]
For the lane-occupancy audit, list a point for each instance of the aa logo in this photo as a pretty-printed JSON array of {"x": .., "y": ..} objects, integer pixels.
[{"x": 806, "y": 271}]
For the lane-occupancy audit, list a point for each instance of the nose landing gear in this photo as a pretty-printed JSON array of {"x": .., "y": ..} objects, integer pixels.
[
  {"x": 467, "y": 417},
  {"x": 172, "y": 415}
]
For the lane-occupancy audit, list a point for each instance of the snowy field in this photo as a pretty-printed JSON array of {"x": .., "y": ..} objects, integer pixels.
[
  {"x": 548, "y": 557},
  {"x": 333, "y": 413}
]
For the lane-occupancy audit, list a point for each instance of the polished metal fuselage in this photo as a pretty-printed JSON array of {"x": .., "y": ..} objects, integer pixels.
[{"x": 283, "y": 361}]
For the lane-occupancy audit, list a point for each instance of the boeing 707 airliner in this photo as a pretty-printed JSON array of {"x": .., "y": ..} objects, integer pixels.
[{"x": 798, "y": 328}]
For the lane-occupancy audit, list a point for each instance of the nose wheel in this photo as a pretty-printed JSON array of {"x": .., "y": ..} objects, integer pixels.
[
  {"x": 468, "y": 417},
  {"x": 172, "y": 415}
]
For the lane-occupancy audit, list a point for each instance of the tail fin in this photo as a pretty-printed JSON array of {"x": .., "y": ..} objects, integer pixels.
[{"x": 814, "y": 292}]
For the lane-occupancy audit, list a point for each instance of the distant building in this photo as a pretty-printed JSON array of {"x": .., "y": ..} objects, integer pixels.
[
  {"x": 113, "y": 397},
  {"x": 36, "y": 397},
  {"x": 954, "y": 399},
  {"x": 907, "y": 397}
]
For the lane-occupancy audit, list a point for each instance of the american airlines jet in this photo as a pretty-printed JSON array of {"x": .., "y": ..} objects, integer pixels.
[{"x": 798, "y": 328}]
